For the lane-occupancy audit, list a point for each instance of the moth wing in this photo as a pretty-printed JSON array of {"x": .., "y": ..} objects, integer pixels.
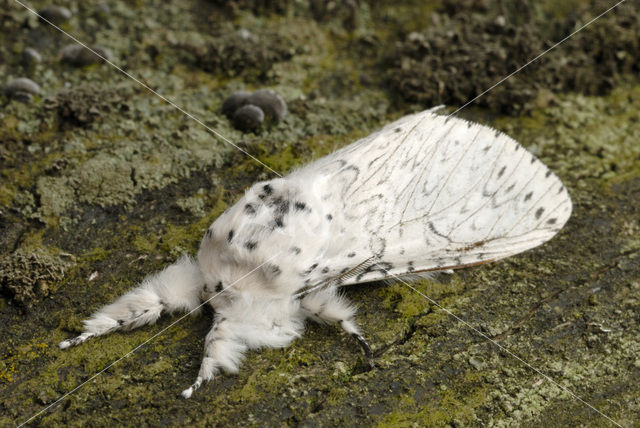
[{"x": 429, "y": 193}]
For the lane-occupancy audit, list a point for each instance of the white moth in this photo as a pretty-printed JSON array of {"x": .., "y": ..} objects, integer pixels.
[{"x": 426, "y": 193}]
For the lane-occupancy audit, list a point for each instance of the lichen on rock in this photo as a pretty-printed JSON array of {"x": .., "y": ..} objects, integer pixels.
[{"x": 26, "y": 276}]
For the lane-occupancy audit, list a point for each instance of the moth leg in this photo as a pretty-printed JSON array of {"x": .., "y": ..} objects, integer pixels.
[
  {"x": 222, "y": 350},
  {"x": 175, "y": 288},
  {"x": 351, "y": 327},
  {"x": 327, "y": 306}
]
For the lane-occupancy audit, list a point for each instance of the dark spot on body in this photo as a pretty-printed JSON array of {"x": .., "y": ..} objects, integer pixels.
[
  {"x": 398, "y": 129},
  {"x": 230, "y": 236},
  {"x": 309, "y": 270},
  {"x": 274, "y": 270},
  {"x": 344, "y": 270},
  {"x": 325, "y": 270},
  {"x": 278, "y": 222},
  {"x": 351, "y": 255},
  {"x": 120, "y": 322},
  {"x": 410, "y": 269},
  {"x": 267, "y": 189},
  {"x": 539, "y": 212},
  {"x": 528, "y": 196},
  {"x": 329, "y": 217},
  {"x": 209, "y": 233},
  {"x": 296, "y": 250},
  {"x": 300, "y": 206},
  {"x": 250, "y": 209},
  {"x": 250, "y": 245},
  {"x": 219, "y": 287}
]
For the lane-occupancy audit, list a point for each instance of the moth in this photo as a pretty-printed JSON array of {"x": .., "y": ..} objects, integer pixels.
[{"x": 425, "y": 193}]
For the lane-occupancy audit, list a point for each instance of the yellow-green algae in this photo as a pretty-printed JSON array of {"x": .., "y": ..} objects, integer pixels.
[{"x": 139, "y": 186}]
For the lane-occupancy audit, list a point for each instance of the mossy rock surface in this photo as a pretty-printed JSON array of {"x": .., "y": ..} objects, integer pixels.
[{"x": 103, "y": 183}]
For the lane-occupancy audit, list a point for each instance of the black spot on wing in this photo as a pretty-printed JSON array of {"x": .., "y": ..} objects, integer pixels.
[
  {"x": 539, "y": 212},
  {"x": 300, "y": 206},
  {"x": 433, "y": 229},
  {"x": 219, "y": 287},
  {"x": 209, "y": 233},
  {"x": 325, "y": 270},
  {"x": 528, "y": 196},
  {"x": 352, "y": 254},
  {"x": 501, "y": 172},
  {"x": 295, "y": 250},
  {"x": 250, "y": 245},
  {"x": 382, "y": 267},
  {"x": 230, "y": 236},
  {"x": 329, "y": 217}
]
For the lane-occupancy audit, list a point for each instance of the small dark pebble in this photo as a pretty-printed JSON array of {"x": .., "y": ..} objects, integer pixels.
[
  {"x": 31, "y": 56},
  {"x": 272, "y": 104},
  {"x": 55, "y": 14},
  {"x": 22, "y": 89},
  {"x": 234, "y": 102},
  {"x": 79, "y": 56},
  {"x": 248, "y": 117}
]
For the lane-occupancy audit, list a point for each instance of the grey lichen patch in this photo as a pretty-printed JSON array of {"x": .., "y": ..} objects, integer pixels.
[
  {"x": 238, "y": 52},
  {"x": 193, "y": 204},
  {"x": 26, "y": 276},
  {"x": 469, "y": 46},
  {"x": 586, "y": 137},
  {"x": 86, "y": 103}
]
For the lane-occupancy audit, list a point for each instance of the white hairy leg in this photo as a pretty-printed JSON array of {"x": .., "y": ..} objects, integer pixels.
[
  {"x": 248, "y": 323},
  {"x": 327, "y": 306},
  {"x": 222, "y": 350},
  {"x": 176, "y": 288}
]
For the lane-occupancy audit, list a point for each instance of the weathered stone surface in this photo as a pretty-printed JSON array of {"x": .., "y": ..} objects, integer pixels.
[{"x": 125, "y": 184}]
